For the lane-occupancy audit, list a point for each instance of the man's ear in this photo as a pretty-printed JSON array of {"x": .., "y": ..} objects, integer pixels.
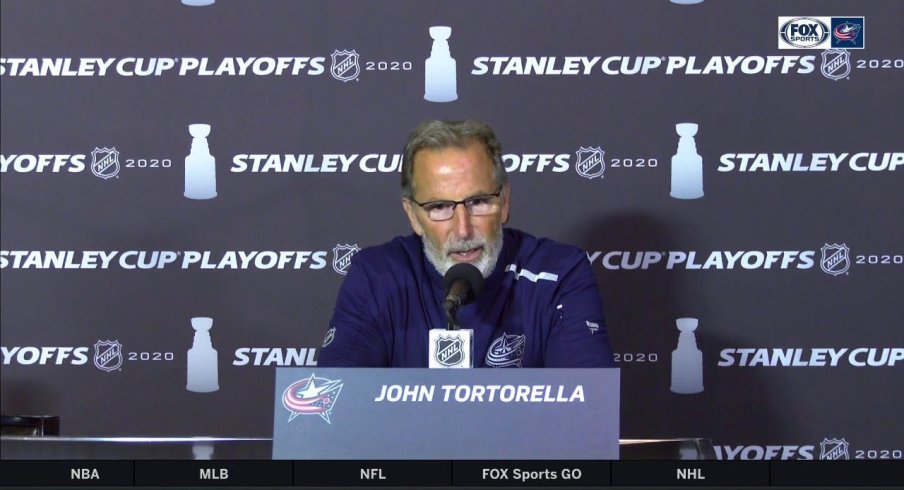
[{"x": 412, "y": 217}]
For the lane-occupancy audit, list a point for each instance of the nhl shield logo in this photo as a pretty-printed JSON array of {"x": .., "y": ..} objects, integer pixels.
[
  {"x": 836, "y": 63},
  {"x": 345, "y": 65},
  {"x": 590, "y": 162},
  {"x": 105, "y": 162},
  {"x": 342, "y": 257},
  {"x": 836, "y": 259},
  {"x": 833, "y": 449},
  {"x": 449, "y": 351},
  {"x": 108, "y": 355}
]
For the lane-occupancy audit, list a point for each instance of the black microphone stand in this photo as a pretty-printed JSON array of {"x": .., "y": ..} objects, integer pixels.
[{"x": 451, "y": 306}]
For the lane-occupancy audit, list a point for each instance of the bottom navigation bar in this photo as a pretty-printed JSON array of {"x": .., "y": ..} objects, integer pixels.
[{"x": 520, "y": 474}]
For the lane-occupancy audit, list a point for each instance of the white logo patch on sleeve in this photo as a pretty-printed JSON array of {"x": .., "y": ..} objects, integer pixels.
[
  {"x": 330, "y": 335},
  {"x": 530, "y": 276}
]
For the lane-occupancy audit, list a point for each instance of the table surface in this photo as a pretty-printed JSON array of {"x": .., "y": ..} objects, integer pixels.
[{"x": 80, "y": 447}]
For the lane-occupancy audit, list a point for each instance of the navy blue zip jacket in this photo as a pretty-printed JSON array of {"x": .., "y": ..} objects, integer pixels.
[{"x": 540, "y": 307}]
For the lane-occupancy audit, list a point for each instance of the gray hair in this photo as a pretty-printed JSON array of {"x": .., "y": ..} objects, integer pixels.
[{"x": 435, "y": 135}]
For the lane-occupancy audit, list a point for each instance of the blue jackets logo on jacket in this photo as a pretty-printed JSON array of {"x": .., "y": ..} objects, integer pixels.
[{"x": 506, "y": 351}]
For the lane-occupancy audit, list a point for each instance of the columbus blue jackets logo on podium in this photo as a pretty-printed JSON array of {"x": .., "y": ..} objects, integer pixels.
[
  {"x": 108, "y": 355},
  {"x": 449, "y": 351},
  {"x": 342, "y": 257},
  {"x": 836, "y": 63},
  {"x": 345, "y": 65},
  {"x": 312, "y": 396},
  {"x": 590, "y": 162},
  {"x": 506, "y": 351},
  {"x": 833, "y": 449},
  {"x": 835, "y": 259},
  {"x": 105, "y": 162}
]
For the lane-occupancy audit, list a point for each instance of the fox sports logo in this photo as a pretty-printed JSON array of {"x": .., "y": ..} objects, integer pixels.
[{"x": 804, "y": 32}]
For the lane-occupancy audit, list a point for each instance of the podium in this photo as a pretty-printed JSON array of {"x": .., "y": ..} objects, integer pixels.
[
  {"x": 446, "y": 414},
  {"x": 416, "y": 425},
  {"x": 338, "y": 406},
  {"x": 549, "y": 418}
]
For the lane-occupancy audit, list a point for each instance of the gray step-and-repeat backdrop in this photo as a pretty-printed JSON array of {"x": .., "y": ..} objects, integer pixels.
[{"x": 180, "y": 178}]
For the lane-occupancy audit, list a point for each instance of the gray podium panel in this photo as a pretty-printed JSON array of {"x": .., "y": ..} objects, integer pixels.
[{"x": 341, "y": 413}]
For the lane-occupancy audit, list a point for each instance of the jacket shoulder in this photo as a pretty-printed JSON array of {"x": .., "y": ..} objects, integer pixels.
[
  {"x": 546, "y": 252},
  {"x": 401, "y": 251}
]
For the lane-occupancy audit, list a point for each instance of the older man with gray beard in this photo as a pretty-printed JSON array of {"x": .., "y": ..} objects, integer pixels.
[{"x": 540, "y": 305}]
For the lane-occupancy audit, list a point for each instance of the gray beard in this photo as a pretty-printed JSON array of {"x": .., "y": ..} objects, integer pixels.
[{"x": 442, "y": 261}]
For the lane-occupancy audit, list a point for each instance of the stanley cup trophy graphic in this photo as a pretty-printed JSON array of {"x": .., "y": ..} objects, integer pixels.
[
  {"x": 439, "y": 74},
  {"x": 202, "y": 375},
  {"x": 687, "y": 360},
  {"x": 200, "y": 165},
  {"x": 202, "y": 450},
  {"x": 687, "y": 165}
]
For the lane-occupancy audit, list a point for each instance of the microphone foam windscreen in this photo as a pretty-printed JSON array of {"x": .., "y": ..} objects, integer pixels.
[{"x": 469, "y": 273}]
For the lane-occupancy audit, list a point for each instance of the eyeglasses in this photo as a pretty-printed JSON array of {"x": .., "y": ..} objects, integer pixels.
[{"x": 477, "y": 206}]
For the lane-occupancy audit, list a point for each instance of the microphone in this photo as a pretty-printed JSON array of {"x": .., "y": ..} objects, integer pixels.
[
  {"x": 454, "y": 347},
  {"x": 463, "y": 283}
]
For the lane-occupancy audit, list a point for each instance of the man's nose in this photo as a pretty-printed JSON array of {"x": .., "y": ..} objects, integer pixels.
[{"x": 462, "y": 219}]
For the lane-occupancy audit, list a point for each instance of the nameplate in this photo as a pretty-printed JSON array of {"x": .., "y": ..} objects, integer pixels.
[{"x": 504, "y": 414}]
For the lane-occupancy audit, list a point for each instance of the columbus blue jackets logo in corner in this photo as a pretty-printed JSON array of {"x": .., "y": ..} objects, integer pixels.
[
  {"x": 312, "y": 396},
  {"x": 108, "y": 355},
  {"x": 836, "y": 63},
  {"x": 345, "y": 65},
  {"x": 449, "y": 351},
  {"x": 833, "y": 449},
  {"x": 342, "y": 257},
  {"x": 836, "y": 259},
  {"x": 847, "y": 32},
  {"x": 506, "y": 351},
  {"x": 590, "y": 162},
  {"x": 105, "y": 162}
]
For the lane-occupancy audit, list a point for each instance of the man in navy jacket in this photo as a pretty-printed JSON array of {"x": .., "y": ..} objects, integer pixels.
[{"x": 540, "y": 305}]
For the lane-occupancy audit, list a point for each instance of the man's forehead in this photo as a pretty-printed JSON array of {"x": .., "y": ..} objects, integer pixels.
[
  {"x": 453, "y": 172},
  {"x": 471, "y": 158},
  {"x": 468, "y": 146}
]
